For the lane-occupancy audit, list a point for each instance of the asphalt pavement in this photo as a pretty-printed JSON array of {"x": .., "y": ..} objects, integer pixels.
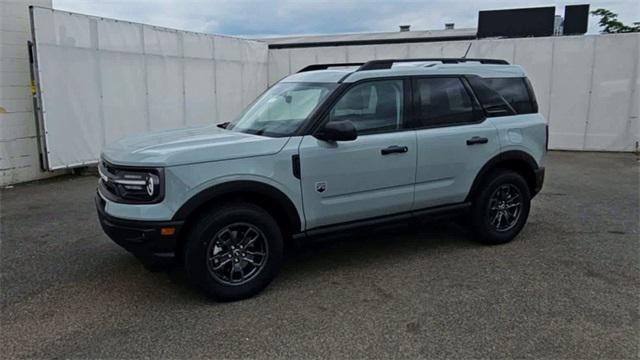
[{"x": 567, "y": 287}]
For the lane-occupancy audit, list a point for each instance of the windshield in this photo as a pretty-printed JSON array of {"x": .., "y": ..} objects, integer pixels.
[{"x": 282, "y": 109}]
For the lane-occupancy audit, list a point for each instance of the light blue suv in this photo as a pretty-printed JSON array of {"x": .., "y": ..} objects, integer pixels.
[{"x": 332, "y": 148}]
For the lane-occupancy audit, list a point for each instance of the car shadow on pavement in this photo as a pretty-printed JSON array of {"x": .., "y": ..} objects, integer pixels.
[
  {"x": 379, "y": 245},
  {"x": 308, "y": 260}
]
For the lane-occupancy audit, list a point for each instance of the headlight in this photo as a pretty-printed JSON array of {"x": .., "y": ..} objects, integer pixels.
[{"x": 131, "y": 185}]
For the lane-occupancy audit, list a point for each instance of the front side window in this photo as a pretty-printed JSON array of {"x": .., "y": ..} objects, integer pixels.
[
  {"x": 282, "y": 109},
  {"x": 443, "y": 101},
  {"x": 372, "y": 107}
]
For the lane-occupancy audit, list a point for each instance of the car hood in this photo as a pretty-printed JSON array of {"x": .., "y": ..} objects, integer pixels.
[{"x": 190, "y": 145}]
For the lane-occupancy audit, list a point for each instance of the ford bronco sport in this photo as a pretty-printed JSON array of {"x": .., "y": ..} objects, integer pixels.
[{"x": 328, "y": 149}]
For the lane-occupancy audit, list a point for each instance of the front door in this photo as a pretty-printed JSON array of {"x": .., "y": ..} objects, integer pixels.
[{"x": 368, "y": 177}]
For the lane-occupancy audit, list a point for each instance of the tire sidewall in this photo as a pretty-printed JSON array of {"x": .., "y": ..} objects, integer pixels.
[
  {"x": 480, "y": 209},
  {"x": 202, "y": 234}
]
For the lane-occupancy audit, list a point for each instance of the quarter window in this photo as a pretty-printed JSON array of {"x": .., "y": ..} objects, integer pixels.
[
  {"x": 443, "y": 101},
  {"x": 514, "y": 91},
  {"x": 372, "y": 107},
  {"x": 493, "y": 103}
]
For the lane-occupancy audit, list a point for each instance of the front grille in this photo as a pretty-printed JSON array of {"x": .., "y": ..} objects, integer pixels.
[
  {"x": 110, "y": 172},
  {"x": 130, "y": 185},
  {"x": 109, "y": 168}
]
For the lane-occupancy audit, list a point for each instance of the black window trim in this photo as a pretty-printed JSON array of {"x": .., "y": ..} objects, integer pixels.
[
  {"x": 532, "y": 96},
  {"x": 320, "y": 118},
  {"x": 410, "y": 114},
  {"x": 477, "y": 108}
]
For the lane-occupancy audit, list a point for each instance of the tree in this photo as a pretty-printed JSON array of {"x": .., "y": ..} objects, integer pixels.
[{"x": 611, "y": 25}]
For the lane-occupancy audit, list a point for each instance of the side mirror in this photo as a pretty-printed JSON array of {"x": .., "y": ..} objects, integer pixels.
[{"x": 337, "y": 131}]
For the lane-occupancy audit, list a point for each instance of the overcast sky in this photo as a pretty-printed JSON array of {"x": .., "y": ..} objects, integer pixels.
[{"x": 285, "y": 17}]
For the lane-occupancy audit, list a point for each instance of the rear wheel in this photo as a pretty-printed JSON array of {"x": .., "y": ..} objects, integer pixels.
[
  {"x": 501, "y": 208},
  {"x": 234, "y": 251}
]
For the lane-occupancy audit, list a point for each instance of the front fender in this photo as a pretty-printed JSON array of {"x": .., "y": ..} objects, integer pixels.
[{"x": 241, "y": 184}]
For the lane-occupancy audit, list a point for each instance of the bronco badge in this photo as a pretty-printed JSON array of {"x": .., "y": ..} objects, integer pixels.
[{"x": 321, "y": 186}]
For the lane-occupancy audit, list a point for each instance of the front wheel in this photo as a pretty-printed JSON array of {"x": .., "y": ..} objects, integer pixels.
[
  {"x": 501, "y": 208},
  {"x": 234, "y": 251}
]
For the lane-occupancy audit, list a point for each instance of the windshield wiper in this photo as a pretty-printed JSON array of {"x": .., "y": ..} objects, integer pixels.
[
  {"x": 260, "y": 131},
  {"x": 223, "y": 125}
]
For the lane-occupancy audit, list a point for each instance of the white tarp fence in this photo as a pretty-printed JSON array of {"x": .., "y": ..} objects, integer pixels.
[
  {"x": 587, "y": 86},
  {"x": 102, "y": 79}
]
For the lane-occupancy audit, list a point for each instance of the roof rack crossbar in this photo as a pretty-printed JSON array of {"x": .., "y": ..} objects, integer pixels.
[
  {"x": 326, "y": 66},
  {"x": 387, "y": 64}
]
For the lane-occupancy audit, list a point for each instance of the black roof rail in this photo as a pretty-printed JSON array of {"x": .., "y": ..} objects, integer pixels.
[
  {"x": 326, "y": 66},
  {"x": 387, "y": 64}
]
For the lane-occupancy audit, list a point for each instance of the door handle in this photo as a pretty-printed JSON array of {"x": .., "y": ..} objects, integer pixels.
[
  {"x": 394, "y": 149},
  {"x": 477, "y": 140}
]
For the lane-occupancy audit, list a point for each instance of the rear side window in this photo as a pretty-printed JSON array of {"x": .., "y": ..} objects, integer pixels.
[
  {"x": 515, "y": 91},
  {"x": 443, "y": 101}
]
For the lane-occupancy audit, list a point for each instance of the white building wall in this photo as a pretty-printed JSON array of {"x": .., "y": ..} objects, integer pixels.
[
  {"x": 103, "y": 79},
  {"x": 19, "y": 156}
]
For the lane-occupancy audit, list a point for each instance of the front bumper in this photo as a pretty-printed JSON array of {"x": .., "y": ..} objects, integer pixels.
[
  {"x": 539, "y": 178},
  {"x": 142, "y": 238}
]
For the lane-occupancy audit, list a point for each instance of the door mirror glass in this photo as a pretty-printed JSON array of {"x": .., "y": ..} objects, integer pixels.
[{"x": 343, "y": 130}]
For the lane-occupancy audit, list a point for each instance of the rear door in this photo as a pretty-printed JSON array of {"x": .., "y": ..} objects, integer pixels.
[
  {"x": 454, "y": 140},
  {"x": 371, "y": 176}
]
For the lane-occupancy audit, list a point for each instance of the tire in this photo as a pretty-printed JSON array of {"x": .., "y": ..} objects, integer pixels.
[
  {"x": 500, "y": 194},
  {"x": 225, "y": 273}
]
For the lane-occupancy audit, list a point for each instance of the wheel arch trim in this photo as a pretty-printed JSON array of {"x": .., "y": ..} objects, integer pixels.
[
  {"x": 507, "y": 156},
  {"x": 224, "y": 189}
]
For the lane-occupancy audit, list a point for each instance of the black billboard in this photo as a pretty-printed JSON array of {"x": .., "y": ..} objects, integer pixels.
[
  {"x": 576, "y": 19},
  {"x": 516, "y": 22}
]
